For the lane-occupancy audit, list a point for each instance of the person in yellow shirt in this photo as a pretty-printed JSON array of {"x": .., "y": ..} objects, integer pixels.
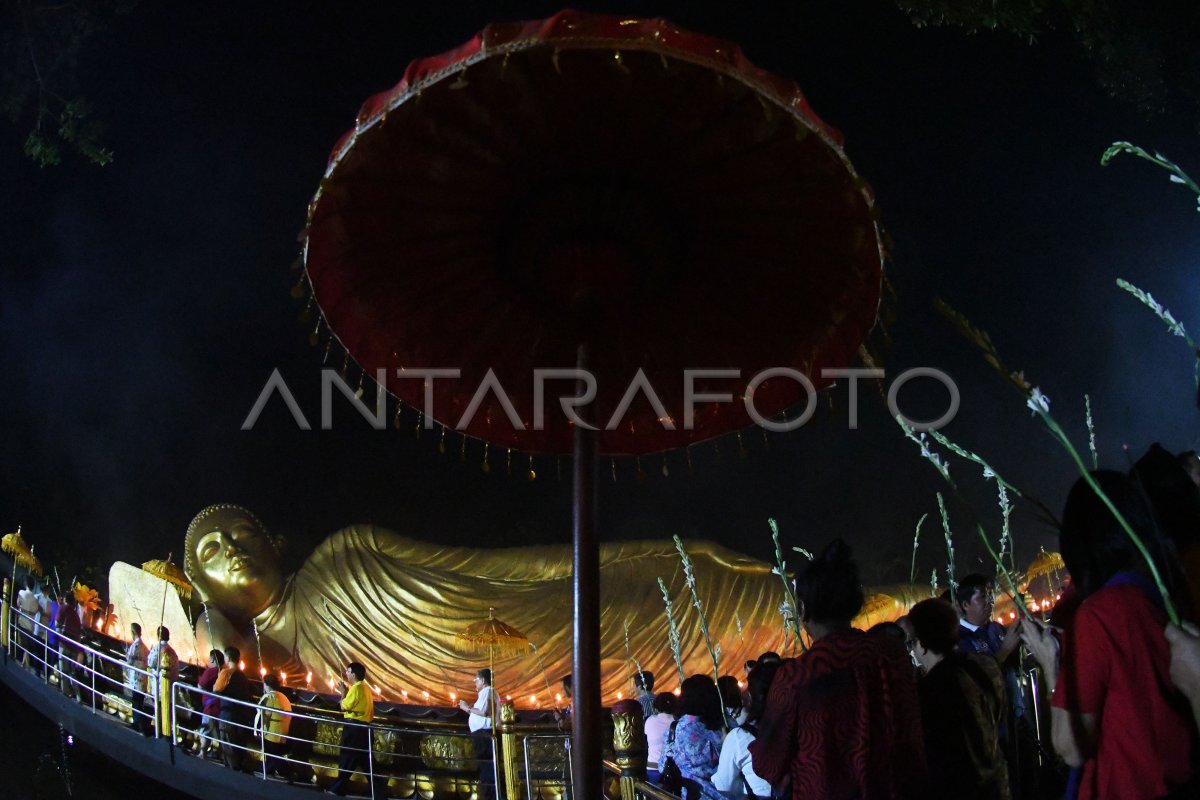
[
  {"x": 272, "y": 723},
  {"x": 358, "y": 709}
]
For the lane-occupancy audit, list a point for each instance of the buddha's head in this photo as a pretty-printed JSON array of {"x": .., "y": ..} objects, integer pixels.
[{"x": 233, "y": 563}]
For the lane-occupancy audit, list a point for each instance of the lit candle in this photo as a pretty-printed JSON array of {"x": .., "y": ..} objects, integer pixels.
[
  {"x": 533, "y": 699},
  {"x": 425, "y": 695},
  {"x": 404, "y": 693},
  {"x": 677, "y": 692},
  {"x": 282, "y": 676},
  {"x": 308, "y": 679},
  {"x": 558, "y": 698},
  {"x": 620, "y": 696},
  {"x": 453, "y": 697},
  {"x": 508, "y": 697},
  {"x": 242, "y": 665},
  {"x": 262, "y": 671}
]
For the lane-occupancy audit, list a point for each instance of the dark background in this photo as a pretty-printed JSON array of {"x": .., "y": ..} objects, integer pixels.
[{"x": 144, "y": 304}]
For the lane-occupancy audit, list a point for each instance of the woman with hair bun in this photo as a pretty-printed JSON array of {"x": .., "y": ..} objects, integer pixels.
[{"x": 843, "y": 719}]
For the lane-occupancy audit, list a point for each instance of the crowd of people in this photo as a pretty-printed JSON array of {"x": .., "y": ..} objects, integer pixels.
[
  {"x": 930, "y": 706},
  {"x": 856, "y": 716}
]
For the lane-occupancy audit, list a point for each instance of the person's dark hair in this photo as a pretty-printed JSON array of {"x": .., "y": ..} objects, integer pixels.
[
  {"x": 664, "y": 703},
  {"x": 566, "y": 683},
  {"x": 759, "y": 686},
  {"x": 828, "y": 587},
  {"x": 698, "y": 696},
  {"x": 935, "y": 625},
  {"x": 1174, "y": 498},
  {"x": 769, "y": 657},
  {"x": 271, "y": 681},
  {"x": 1094, "y": 546},
  {"x": 750, "y": 665},
  {"x": 485, "y": 675},
  {"x": 357, "y": 670},
  {"x": 644, "y": 680},
  {"x": 30, "y": 583},
  {"x": 135, "y": 629},
  {"x": 217, "y": 656},
  {"x": 968, "y": 586},
  {"x": 233, "y": 655},
  {"x": 888, "y": 630},
  {"x": 163, "y": 634},
  {"x": 731, "y": 693}
]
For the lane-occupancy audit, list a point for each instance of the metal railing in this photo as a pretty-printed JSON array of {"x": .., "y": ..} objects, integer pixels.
[
  {"x": 179, "y": 716},
  {"x": 60, "y": 659},
  {"x": 643, "y": 789},
  {"x": 536, "y": 763}
]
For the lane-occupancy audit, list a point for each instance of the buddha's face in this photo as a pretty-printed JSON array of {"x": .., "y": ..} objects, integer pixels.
[{"x": 238, "y": 565}]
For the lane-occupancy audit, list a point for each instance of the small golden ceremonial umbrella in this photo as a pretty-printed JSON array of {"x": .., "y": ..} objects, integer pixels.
[
  {"x": 172, "y": 574},
  {"x": 1044, "y": 564},
  {"x": 496, "y": 638},
  {"x": 14, "y": 544}
]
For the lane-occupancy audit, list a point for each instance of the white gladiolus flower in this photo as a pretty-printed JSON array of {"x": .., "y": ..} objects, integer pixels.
[{"x": 1038, "y": 401}]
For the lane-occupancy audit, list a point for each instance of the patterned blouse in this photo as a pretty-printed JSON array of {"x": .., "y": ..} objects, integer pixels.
[
  {"x": 696, "y": 751},
  {"x": 843, "y": 721}
]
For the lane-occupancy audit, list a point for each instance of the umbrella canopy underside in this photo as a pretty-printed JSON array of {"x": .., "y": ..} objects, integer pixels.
[{"x": 585, "y": 179}]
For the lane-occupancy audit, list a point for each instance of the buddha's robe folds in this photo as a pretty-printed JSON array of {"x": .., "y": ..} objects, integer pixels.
[{"x": 397, "y": 605}]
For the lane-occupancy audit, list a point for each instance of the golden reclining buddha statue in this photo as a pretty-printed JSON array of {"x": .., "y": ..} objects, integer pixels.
[{"x": 397, "y": 605}]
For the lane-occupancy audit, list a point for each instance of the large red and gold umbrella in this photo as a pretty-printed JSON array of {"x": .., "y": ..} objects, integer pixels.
[{"x": 617, "y": 193}]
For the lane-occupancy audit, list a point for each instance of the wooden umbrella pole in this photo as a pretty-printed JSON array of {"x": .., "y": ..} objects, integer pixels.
[{"x": 585, "y": 718}]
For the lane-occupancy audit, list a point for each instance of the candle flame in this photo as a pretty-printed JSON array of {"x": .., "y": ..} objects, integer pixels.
[
  {"x": 308, "y": 679},
  {"x": 242, "y": 665}
]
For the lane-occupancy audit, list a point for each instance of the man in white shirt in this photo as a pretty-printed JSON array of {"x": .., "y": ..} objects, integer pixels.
[
  {"x": 30, "y": 608},
  {"x": 479, "y": 719},
  {"x": 135, "y": 659}
]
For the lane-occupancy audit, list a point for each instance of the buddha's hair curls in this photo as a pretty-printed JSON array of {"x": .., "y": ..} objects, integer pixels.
[{"x": 190, "y": 568}]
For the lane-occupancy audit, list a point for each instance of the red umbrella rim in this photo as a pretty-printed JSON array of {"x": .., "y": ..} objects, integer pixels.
[{"x": 566, "y": 31}]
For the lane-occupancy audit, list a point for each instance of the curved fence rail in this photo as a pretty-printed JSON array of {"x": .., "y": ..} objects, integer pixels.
[{"x": 303, "y": 745}]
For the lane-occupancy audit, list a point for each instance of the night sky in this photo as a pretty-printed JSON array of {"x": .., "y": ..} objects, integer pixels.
[{"x": 144, "y": 304}]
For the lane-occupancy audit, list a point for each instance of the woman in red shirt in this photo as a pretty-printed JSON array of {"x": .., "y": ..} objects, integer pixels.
[{"x": 1116, "y": 717}]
